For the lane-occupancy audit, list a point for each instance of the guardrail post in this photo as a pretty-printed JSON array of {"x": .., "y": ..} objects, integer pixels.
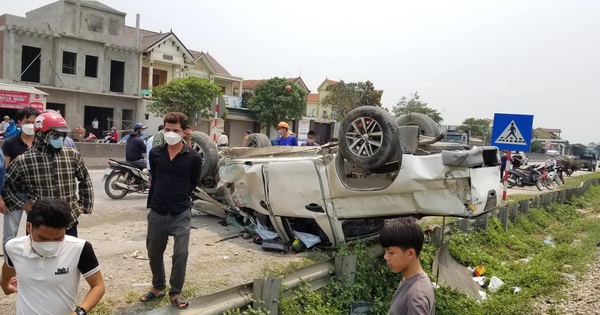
[
  {"x": 535, "y": 201},
  {"x": 503, "y": 216},
  {"x": 482, "y": 221},
  {"x": 555, "y": 196},
  {"x": 569, "y": 193},
  {"x": 562, "y": 196},
  {"x": 438, "y": 231},
  {"x": 513, "y": 209},
  {"x": 546, "y": 200},
  {"x": 345, "y": 268},
  {"x": 463, "y": 225},
  {"x": 266, "y": 295},
  {"x": 524, "y": 207}
]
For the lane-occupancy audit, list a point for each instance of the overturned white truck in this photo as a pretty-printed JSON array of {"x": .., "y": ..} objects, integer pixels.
[{"x": 345, "y": 190}]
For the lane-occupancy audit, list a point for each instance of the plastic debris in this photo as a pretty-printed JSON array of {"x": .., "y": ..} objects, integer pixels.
[
  {"x": 265, "y": 233},
  {"x": 479, "y": 271},
  {"x": 480, "y": 280},
  {"x": 517, "y": 290},
  {"x": 525, "y": 260},
  {"x": 483, "y": 295},
  {"x": 308, "y": 239},
  {"x": 549, "y": 243},
  {"x": 435, "y": 285},
  {"x": 495, "y": 284},
  {"x": 569, "y": 276}
]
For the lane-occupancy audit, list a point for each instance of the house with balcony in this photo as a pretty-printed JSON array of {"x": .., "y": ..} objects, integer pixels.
[
  {"x": 551, "y": 140},
  {"x": 93, "y": 66},
  {"x": 80, "y": 54}
]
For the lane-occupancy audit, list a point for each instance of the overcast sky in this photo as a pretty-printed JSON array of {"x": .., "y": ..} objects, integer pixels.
[{"x": 465, "y": 58}]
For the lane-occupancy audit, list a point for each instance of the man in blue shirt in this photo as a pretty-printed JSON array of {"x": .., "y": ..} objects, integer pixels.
[{"x": 283, "y": 135}]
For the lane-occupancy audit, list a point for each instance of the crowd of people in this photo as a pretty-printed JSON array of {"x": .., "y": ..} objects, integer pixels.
[{"x": 46, "y": 179}]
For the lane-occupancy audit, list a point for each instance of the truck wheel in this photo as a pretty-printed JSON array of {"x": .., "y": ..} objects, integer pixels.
[
  {"x": 368, "y": 137},
  {"x": 257, "y": 140},
  {"x": 427, "y": 126},
  {"x": 203, "y": 144}
]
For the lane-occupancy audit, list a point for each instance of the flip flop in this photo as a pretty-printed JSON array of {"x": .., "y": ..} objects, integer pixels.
[
  {"x": 149, "y": 296},
  {"x": 180, "y": 303}
]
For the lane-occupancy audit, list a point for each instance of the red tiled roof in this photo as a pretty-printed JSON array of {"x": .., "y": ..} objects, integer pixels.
[
  {"x": 251, "y": 84},
  {"x": 312, "y": 98},
  {"x": 331, "y": 82}
]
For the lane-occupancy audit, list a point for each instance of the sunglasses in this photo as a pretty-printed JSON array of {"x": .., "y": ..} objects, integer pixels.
[{"x": 57, "y": 135}]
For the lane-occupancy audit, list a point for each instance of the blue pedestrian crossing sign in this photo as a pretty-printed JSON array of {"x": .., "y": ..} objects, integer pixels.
[{"x": 512, "y": 132}]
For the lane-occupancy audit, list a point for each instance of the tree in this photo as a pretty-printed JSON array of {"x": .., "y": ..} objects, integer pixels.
[
  {"x": 536, "y": 146},
  {"x": 343, "y": 97},
  {"x": 272, "y": 103},
  {"x": 187, "y": 95},
  {"x": 477, "y": 127},
  {"x": 414, "y": 105}
]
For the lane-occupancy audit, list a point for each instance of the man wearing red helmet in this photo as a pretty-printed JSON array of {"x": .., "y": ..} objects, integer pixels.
[{"x": 50, "y": 170}]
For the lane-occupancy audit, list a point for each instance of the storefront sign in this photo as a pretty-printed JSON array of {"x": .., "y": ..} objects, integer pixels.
[{"x": 19, "y": 99}]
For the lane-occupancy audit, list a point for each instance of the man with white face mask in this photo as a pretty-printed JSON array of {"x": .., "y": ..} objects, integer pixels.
[
  {"x": 175, "y": 172},
  {"x": 12, "y": 148},
  {"x": 310, "y": 139},
  {"x": 44, "y": 267},
  {"x": 49, "y": 170}
]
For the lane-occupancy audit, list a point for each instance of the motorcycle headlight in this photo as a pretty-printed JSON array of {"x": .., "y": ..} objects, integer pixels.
[{"x": 229, "y": 173}]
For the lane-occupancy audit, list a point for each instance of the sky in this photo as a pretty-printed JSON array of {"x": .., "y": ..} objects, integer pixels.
[{"x": 464, "y": 58}]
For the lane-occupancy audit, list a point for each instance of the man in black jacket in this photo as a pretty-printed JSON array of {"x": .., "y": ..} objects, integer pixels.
[
  {"x": 175, "y": 170},
  {"x": 135, "y": 148}
]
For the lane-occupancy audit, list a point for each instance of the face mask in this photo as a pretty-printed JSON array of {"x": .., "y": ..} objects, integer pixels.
[
  {"x": 45, "y": 249},
  {"x": 172, "y": 138},
  {"x": 310, "y": 141},
  {"x": 142, "y": 134},
  {"x": 280, "y": 132},
  {"x": 28, "y": 129},
  {"x": 57, "y": 143}
]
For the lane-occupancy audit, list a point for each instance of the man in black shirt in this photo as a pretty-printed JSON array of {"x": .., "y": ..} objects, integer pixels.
[
  {"x": 12, "y": 148},
  {"x": 517, "y": 160},
  {"x": 135, "y": 148},
  {"x": 175, "y": 170}
]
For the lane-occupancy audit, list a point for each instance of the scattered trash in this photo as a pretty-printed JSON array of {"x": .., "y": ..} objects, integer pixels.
[
  {"x": 225, "y": 257},
  {"x": 308, "y": 239},
  {"x": 275, "y": 246},
  {"x": 525, "y": 260},
  {"x": 257, "y": 240},
  {"x": 360, "y": 308},
  {"x": 517, "y": 290},
  {"x": 264, "y": 233},
  {"x": 435, "y": 285},
  {"x": 138, "y": 255},
  {"x": 480, "y": 280},
  {"x": 471, "y": 270},
  {"x": 479, "y": 271},
  {"x": 298, "y": 246},
  {"x": 495, "y": 284},
  {"x": 549, "y": 243},
  {"x": 569, "y": 276},
  {"x": 483, "y": 295}
]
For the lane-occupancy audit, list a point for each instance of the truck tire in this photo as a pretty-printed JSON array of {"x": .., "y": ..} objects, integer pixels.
[
  {"x": 257, "y": 140},
  {"x": 427, "y": 126},
  {"x": 203, "y": 144},
  {"x": 368, "y": 137}
]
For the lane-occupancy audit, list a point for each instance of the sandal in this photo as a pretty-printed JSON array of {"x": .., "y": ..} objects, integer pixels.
[
  {"x": 180, "y": 303},
  {"x": 150, "y": 296}
]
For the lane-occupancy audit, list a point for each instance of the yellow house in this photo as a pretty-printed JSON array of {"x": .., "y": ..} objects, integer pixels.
[{"x": 315, "y": 109}]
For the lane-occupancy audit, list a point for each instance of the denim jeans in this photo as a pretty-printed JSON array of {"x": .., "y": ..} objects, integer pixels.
[{"x": 12, "y": 220}]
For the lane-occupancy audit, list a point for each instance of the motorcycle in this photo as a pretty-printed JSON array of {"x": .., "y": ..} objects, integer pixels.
[
  {"x": 91, "y": 138},
  {"x": 122, "y": 178},
  {"x": 525, "y": 177},
  {"x": 548, "y": 176},
  {"x": 560, "y": 179}
]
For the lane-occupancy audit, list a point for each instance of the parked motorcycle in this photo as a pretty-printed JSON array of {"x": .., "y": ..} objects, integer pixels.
[
  {"x": 122, "y": 178},
  {"x": 91, "y": 138},
  {"x": 525, "y": 177},
  {"x": 559, "y": 174},
  {"x": 548, "y": 176}
]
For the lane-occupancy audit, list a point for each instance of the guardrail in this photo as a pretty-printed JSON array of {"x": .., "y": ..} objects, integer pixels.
[{"x": 265, "y": 293}]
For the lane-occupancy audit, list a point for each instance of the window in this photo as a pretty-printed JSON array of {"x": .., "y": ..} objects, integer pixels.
[
  {"x": 69, "y": 62},
  {"x": 117, "y": 76},
  {"x": 94, "y": 23},
  {"x": 159, "y": 77},
  {"x": 222, "y": 89},
  {"x": 113, "y": 27},
  {"x": 91, "y": 66},
  {"x": 31, "y": 62}
]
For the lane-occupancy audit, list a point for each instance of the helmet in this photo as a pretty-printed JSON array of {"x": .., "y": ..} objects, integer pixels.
[
  {"x": 113, "y": 128},
  {"x": 139, "y": 126},
  {"x": 50, "y": 121},
  {"x": 283, "y": 124}
]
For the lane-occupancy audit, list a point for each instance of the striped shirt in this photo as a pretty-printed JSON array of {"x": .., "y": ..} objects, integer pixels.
[{"x": 46, "y": 172}]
